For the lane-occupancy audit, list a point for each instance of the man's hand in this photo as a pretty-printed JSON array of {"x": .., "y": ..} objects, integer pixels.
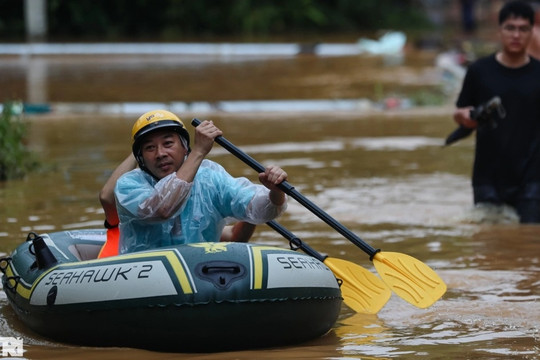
[
  {"x": 272, "y": 176},
  {"x": 205, "y": 134},
  {"x": 463, "y": 117}
]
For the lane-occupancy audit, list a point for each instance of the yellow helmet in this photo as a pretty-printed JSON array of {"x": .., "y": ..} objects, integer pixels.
[{"x": 153, "y": 120}]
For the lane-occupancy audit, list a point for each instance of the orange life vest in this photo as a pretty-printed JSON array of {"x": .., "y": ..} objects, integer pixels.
[{"x": 110, "y": 248}]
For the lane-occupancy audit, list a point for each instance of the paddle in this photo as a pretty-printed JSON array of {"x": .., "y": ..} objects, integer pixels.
[
  {"x": 362, "y": 290},
  {"x": 409, "y": 278}
]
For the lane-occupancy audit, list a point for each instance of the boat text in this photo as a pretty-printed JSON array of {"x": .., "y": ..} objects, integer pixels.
[
  {"x": 297, "y": 262},
  {"x": 98, "y": 275},
  {"x": 103, "y": 282}
]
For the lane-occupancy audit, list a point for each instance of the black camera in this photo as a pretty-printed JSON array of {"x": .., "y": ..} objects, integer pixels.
[{"x": 484, "y": 115}]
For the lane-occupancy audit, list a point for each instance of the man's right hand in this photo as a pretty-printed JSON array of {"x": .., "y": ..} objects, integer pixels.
[
  {"x": 463, "y": 117},
  {"x": 205, "y": 134}
]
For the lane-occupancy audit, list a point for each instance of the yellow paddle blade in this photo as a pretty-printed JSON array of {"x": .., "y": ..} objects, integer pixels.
[
  {"x": 362, "y": 290},
  {"x": 410, "y": 278}
]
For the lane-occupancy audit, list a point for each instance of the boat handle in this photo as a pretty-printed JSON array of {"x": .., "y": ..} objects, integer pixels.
[
  {"x": 8, "y": 284},
  {"x": 4, "y": 263},
  {"x": 221, "y": 273},
  {"x": 206, "y": 269}
]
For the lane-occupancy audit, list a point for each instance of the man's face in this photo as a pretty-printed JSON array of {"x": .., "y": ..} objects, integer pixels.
[
  {"x": 515, "y": 34},
  {"x": 163, "y": 152}
]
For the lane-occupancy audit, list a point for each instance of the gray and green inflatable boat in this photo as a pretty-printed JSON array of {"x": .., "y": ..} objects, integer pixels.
[{"x": 201, "y": 297}]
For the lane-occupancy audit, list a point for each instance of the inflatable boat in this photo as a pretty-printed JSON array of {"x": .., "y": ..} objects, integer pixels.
[{"x": 202, "y": 297}]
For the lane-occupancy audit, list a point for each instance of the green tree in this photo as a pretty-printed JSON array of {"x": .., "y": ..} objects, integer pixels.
[{"x": 178, "y": 19}]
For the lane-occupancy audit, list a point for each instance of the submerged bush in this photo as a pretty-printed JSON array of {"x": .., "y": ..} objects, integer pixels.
[{"x": 16, "y": 160}]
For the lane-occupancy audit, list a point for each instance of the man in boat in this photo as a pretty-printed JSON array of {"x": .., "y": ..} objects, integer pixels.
[
  {"x": 176, "y": 196},
  {"x": 507, "y": 158},
  {"x": 241, "y": 231}
]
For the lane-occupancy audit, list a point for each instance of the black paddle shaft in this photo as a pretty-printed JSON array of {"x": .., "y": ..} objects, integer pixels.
[
  {"x": 294, "y": 240},
  {"x": 292, "y": 192}
]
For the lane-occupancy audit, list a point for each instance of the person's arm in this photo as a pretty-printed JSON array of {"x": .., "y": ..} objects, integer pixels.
[
  {"x": 268, "y": 201},
  {"x": 468, "y": 98},
  {"x": 271, "y": 178},
  {"x": 463, "y": 117},
  {"x": 239, "y": 232},
  {"x": 171, "y": 191},
  {"x": 205, "y": 134},
  {"x": 106, "y": 195}
]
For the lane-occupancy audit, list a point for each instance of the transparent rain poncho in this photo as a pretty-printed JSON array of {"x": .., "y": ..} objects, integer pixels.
[{"x": 171, "y": 211}]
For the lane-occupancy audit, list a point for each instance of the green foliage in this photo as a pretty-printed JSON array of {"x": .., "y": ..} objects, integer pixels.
[
  {"x": 15, "y": 158},
  {"x": 178, "y": 19}
]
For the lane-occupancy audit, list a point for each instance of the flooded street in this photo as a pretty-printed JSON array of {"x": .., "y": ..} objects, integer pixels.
[{"x": 383, "y": 173}]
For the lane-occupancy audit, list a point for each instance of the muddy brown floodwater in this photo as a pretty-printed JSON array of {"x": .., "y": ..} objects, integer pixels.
[{"x": 381, "y": 173}]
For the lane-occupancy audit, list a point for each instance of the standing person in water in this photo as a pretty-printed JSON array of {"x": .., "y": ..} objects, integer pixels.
[
  {"x": 176, "y": 196},
  {"x": 507, "y": 158}
]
